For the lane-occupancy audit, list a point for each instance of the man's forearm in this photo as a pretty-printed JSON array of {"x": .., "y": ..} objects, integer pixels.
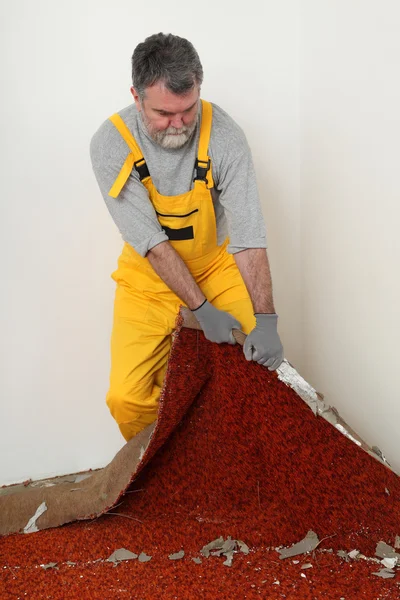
[
  {"x": 170, "y": 267},
  {"x": 253, "y": 265}
]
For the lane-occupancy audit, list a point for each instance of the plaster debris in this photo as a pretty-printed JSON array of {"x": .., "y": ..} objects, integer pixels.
[
  {"x": 177, "y": 555},
  {"x": 308, "y": 544},
  {"x": 143, "y": 558},
  {"x": 347, "y": 434},
  {"x": 397, "y": 542},
  {"x": 205, "y": 551},
  {"x": 142, "y": 451},
  {"x": 306, "y": 566},
  {"x": 385, "y": 574},
  {"x": 291, "y": 378},
  {"x": 120, "y": 555},
  {"x": 229, "y": 558},
  {"x": 343, "y": 554},
  {"x": 31, "y": 527},
  {"x": 82, "y": 477},
  {"x": 277, "y": 582},
  {"x": 244, "y": 547},
  {"x": 379, "y": 453},
  {"x": 385, "y": 551},
  {"x": 41, "y": 484},
  {"x": 295, "y": 562},
  {"x": 354, "y": 554},
  {"x": 387, "y": 491},
  {"x": 389, "y": 563},
  {"x": 70, "y": 563},
  {"x": 50, "y": 565},
  {"x": 197, "y": 560},
  {"x": 303, "y": 575},
  {"x": 227, "y": 548}
]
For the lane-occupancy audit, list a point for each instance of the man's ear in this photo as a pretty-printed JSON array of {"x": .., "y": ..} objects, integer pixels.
[{"x": 136, "y": 98}]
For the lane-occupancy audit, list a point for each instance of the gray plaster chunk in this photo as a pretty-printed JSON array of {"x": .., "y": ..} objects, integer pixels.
[
  {"x": 308, "y": 544},
  {"x": 229, "y": 558},
  {"x": 143, "y": 558},
  {"x": 227, "y": 548},
  {"x": 229, "y": 545},
  {"x": 51, "y": 565},
  {"x": 306, "y": 566},
  {"x": 379, "y": 453},
  {"x": 354, "y": 554},
  {"x": 120, "y": 555},
  {"x": 385, "y": 573},
  {"x": 215, "y": 544},
  {"x": 197, "y": 560},
  {"x": 383, "y": 550},
  {"x": 70, "y": 563},
  {"x": 243, "y": 547},
  {"x": 390, "y": 563},
  {"x": 177, "y": 555},
  {"x": 397, "y": 542},
  {"x": 31, "y": 526},
  {"x": 343, "y": 554},
  {"x": 82, "y": 477}
]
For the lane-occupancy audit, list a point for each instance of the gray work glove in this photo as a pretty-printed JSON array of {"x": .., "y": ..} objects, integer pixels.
[
  {"x": 263, "y": 343},
  {"x": 216, "y": 324}
]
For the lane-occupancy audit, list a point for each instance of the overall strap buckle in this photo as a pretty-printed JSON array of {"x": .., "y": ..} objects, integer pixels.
[
  {"x": 142, "y": 168},
  {"x": 201, "y": 171}
]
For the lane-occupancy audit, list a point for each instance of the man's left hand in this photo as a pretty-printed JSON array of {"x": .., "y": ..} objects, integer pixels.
[{"x": 263, "y": 343}]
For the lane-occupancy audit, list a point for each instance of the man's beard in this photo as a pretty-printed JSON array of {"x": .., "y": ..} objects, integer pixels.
[{"x": 170, "y": 137}]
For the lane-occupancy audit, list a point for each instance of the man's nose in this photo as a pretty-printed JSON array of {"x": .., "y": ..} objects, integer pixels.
[{"x": 177, "y": 122}]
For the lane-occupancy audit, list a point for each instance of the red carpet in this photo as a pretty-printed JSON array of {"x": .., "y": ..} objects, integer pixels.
[{"x": 248, "y": 460}]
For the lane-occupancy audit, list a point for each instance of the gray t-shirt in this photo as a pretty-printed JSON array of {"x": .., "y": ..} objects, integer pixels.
[{"x": 235, "y": 196}]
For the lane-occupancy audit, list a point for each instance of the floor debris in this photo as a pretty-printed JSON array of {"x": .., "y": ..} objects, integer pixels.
[
  {"x": 306, "y": 566},
  {"x": 218, "y": 543},
  {"x": 120, "y": 555},
  {"x": 308, "y": 544},
  {"x": 385, "y": 573},
  {"x": 177, "y": 555},
  {"x": 143, "y": 558},
  {"x": 227, "y": 548},
  {"x": 343, "y": 554},
  {"x": 51, "y": 565},
  {"x": 389, "y": 563},
  {"x": 397, "y": 542},
  {"x": 31, "y": 527},
  {"x": 196, "y": 560},
  {"x": 354, "y": 554},
  {"x": 383, "y": 550}
]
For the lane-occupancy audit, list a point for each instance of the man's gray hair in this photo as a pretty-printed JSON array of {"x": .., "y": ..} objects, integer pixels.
[{"x": 167, "y": 58}]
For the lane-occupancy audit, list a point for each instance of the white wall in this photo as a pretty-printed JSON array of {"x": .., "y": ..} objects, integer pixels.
[
  {"x": 350, "y": 208},
  {"x": 66, "y": 69}
]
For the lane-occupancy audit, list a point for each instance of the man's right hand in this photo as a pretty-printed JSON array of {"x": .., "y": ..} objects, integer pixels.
[{"x": 216, "y": 324}]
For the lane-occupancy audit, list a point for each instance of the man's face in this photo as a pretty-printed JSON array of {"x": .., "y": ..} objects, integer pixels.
[{"x": 169, "y": 119}]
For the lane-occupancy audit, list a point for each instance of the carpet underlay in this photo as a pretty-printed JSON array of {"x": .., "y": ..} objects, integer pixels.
[{"x": 235, "y": 452}]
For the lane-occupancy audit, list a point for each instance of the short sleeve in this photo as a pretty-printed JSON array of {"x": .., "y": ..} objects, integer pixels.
[
  {"x": 238, "y": 195},
  {"x": 132, "y": 211}
]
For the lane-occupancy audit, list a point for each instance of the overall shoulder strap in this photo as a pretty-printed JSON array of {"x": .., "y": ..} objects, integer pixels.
[
  {"x": 203, "y": 162},
  {"x": 134, "y": 160}
]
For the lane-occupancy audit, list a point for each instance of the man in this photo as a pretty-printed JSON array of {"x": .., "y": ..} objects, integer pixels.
[{"x": 177, "y": 176}]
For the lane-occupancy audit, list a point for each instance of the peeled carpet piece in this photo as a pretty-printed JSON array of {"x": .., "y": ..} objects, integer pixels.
[{"x": 235, "y": 452}]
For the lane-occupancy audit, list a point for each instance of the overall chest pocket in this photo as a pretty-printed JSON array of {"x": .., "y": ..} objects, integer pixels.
[{"x": 178, "y": 227}]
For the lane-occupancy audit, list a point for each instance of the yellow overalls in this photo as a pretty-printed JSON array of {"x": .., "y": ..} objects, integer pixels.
[{"x": 145, "y": 309}]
